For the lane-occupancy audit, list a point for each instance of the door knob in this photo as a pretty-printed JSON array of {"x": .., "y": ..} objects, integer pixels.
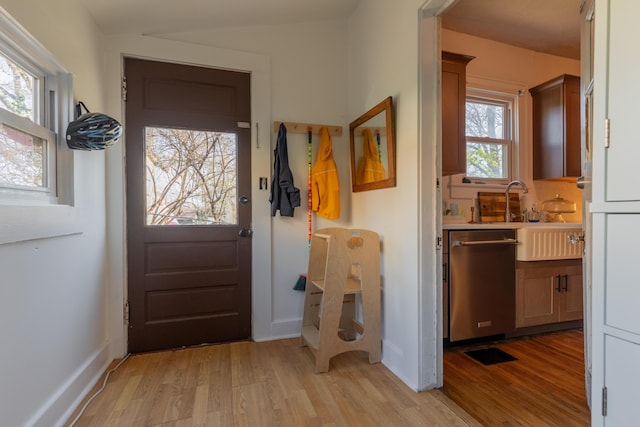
[
  {"x": 244, "y": 200},
  {"x": 245, "y": 232}
]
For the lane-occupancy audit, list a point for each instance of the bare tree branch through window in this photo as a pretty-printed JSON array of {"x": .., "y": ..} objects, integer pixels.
[
  {"x": 22, "y": 156},
  {"x": 191, "y": 177}
]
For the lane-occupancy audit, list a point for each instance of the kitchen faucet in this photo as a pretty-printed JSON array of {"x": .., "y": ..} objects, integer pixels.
[{"x": 507, "y": 211}]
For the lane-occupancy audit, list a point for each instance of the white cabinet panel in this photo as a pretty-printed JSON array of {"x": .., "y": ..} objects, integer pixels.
[
  {"x": 622, "y": 100},
  {"x": 622, "y": 382},
  {"x": 622, "y": 272}
]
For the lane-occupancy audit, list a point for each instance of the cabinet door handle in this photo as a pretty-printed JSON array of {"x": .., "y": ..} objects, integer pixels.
[
  {"x": 559, "y": 282},
  {"x": 456, "y": 243},
  {"x": 566, "y": 282}
]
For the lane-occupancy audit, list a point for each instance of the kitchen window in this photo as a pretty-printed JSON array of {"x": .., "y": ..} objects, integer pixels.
[
  {"x": 489, "y": 124},
  {"x": 35, "y": 105}
]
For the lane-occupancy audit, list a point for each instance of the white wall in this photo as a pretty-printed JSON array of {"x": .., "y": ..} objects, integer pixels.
[
  {"x": 52, "y": 290},
  {"x": 383, "y": 61},
  {"x": 513, "y": 68}
]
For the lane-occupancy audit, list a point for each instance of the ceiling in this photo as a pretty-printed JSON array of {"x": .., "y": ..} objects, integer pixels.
[
  {"x": 549, "y": 26},
  {"x": 171, "y": 16}
]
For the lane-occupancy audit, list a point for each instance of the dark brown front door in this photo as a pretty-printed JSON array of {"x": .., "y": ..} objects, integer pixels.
[{"x": 188, "y": 163}]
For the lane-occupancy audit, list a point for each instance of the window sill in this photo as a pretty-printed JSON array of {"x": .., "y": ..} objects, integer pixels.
[
  {"x": 460, "y": 190},
  {"x": 23, "y": 223}
]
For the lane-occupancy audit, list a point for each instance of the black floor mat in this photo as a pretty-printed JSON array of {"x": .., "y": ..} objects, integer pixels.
[{"x": 490, "y": 356}]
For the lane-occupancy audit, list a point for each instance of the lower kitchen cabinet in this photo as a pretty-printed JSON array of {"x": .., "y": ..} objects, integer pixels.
[{"x": 548, "y": 292}]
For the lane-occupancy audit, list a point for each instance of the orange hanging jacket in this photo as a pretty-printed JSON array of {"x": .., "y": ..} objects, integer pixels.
[
  {"x": 370, "y": 169},
  {"x": 325, "y": 189}
]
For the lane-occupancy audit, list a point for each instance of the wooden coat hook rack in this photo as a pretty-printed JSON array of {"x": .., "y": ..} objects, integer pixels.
[{"x": 293, "y": 127}]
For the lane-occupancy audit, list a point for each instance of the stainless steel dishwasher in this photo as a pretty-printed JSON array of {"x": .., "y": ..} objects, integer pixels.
[{"x": 482, "y": 283}]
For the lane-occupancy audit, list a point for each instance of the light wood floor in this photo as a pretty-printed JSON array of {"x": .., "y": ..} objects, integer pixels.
[
  {"x": 262, "y": 384},
  {"x": 544, "y": 387}
]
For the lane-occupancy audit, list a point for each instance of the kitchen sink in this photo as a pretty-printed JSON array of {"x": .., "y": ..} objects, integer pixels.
[{"x": 547, "y": 241}]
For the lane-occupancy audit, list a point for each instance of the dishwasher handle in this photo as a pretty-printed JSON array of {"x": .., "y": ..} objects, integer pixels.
[{"x": 484, "y": 242}]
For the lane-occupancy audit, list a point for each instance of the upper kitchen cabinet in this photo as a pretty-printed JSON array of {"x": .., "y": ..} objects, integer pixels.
[
  {"x": 454, "y": 147},
  {"x": 556, "y": 128}
]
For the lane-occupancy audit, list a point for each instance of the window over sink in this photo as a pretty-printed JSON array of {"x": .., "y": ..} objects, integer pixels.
[{"x": 489, "y": 130}]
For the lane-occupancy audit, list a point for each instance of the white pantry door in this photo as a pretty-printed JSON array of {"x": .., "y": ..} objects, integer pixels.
[{"x": 616, "y": 215}]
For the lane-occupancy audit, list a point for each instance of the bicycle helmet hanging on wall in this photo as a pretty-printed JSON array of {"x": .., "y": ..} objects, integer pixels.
[{"x": 92, "y": 131}]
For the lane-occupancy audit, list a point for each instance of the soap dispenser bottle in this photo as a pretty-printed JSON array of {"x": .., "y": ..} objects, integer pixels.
[{"x": 533, "y": 216}]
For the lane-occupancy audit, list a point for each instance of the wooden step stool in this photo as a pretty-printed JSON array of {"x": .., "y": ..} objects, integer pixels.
[{"x": 343, "y": 264}]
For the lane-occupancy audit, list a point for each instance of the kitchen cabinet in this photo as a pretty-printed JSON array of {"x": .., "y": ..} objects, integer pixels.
[
  {"x": 454, "y": 146},
  {"x": 548, "y": 292},
  {"x": 616, "y": 156},
  {"x": 615, "y": 212},
  {"x": 556, "y": 128}
]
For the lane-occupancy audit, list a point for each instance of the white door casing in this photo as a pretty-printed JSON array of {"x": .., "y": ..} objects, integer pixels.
[{"x": 584, "y": 182}]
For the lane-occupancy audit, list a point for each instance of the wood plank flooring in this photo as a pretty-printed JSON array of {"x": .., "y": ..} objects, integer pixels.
[
  {"x": 544, "y": 387},
  {"x": 262, "y": 384}
]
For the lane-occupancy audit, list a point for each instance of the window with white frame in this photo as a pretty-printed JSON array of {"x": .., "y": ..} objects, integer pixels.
[
  {"x": 35, "y": 105},
  {"x": 489, "y": 125}
]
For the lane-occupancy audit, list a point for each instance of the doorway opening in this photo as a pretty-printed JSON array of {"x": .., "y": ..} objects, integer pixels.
[{"x": 579, "y": 342}]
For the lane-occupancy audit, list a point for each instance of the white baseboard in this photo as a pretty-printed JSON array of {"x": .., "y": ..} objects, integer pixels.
[
  {"x": 394, "y": 359},
  {"x": 286, "y": 328},
  {"x": 59, "y": 407},
  {"x": 282, "y": 329}
]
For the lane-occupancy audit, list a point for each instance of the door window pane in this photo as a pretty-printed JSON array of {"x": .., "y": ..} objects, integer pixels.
[
  {"x": 191, "y": 177},
  {"x": 22, "y": 159}
]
